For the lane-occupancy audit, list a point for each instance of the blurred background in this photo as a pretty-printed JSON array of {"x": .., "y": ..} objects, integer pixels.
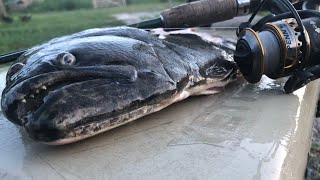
[{"x": 24, "y": 23}]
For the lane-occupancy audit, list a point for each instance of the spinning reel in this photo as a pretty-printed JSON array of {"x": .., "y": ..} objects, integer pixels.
[{"x": 280, "y": 45}]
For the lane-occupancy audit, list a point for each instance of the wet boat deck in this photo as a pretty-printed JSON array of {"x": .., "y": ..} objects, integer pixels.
[{"x": 247, "y": 132}]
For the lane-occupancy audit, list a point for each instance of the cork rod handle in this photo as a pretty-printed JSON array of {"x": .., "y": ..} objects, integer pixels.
[{"x": 199, "y": 13}]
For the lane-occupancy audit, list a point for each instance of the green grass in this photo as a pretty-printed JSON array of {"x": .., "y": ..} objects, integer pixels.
[
  {"x": 66, "y": 5},
  {"x": 59, "y": 5},
  {"x": 43, "y": 27}
]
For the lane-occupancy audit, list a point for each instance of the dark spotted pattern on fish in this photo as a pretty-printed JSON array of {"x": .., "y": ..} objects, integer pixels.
[{"x": 77, "y": 86}]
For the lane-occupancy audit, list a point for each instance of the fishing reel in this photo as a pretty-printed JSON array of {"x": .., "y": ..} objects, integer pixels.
[{"x": 280, "y": 45}]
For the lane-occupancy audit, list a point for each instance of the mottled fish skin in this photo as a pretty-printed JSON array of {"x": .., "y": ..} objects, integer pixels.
[{"x": 77, "y": 86}]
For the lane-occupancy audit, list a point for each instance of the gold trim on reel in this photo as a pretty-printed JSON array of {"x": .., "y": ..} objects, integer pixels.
[{"x": 276, "y": 50}]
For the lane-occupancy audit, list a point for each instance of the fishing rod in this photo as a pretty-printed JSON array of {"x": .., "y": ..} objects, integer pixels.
[{"x": 284, "y": 43}]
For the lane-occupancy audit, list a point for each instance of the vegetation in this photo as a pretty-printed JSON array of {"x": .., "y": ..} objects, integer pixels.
[
  {"x": 44, "y": 26},
  {"x": 66, "y": 5},
  {"x": 59, "y": 5}
]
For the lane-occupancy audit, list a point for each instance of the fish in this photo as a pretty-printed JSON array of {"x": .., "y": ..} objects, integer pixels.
[{"x": 76, "y": 86}]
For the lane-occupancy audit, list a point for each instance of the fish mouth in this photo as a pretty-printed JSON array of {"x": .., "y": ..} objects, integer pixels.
[
  {"x": 25, "y": 98},
  {"x": 30, "y": 109}
]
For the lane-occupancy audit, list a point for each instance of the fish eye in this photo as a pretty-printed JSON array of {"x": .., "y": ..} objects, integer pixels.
[
  {"x": 15, "y": 68},
  {"x": 67, "y": 59}
]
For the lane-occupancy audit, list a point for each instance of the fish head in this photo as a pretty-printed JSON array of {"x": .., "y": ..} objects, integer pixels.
[{"x": 66, "y": 83}]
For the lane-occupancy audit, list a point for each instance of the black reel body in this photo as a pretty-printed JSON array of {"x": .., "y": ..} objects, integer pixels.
[{"x": 278, "y": 46}]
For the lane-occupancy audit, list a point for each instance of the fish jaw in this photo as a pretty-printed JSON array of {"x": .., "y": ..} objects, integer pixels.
[
  {"x": 55, "y": 119},
  {"x": 56, "y": 135},
  {"x": 69, "y": 108},
  {"x": 90, "y": 130},
  {"x": 30, "y": 94},
  {"x": 93, "y": 129}
]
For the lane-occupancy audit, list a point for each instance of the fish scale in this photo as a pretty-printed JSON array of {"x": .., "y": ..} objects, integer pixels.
[{"x": 76, "y": 86}]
